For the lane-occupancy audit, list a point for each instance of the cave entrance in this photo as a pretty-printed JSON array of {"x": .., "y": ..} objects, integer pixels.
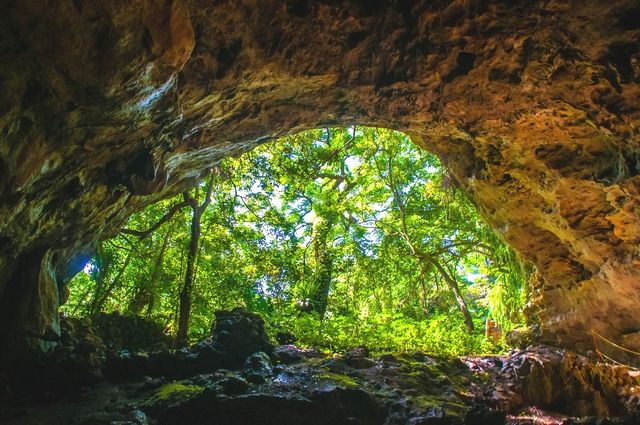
[{"x": 338, "y": 237}]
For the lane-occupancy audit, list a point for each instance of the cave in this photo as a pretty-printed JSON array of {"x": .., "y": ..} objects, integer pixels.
[{"x": 110, "y": 106}]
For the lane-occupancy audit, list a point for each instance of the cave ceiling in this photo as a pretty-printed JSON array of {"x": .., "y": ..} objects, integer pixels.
[{"x": 110, "y": 105}]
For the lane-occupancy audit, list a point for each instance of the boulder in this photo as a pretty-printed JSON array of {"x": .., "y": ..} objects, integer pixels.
[
  {"x": 236, "y": 334},
  {"x": 258, "y": 368},
  {"x": 120, "y": 332}
]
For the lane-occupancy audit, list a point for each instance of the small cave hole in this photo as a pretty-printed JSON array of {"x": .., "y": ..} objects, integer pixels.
[{"x": 464, "y": 64}]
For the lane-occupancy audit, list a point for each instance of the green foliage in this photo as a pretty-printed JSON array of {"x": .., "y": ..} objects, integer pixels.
[
  {"x": 358, "y": 222},
  {"x": 441, "y": 334},
  {"x": 508, "y": 295}
]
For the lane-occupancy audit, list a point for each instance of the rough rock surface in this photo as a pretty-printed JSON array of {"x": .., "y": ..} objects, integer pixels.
[
  {"x": 237, "y": 338},
  {"x": 557, "y": 380},
  {"x": 110, "y": 105},
  {"x": 239, "y": 333},
  {"x": 228, "y": 383},
  {"x": 537, "y": 385},
  {"x": 75, "y": 363},
  {"x": 129, "y": 332}
]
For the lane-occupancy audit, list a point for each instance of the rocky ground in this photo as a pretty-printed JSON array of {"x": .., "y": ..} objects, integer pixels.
[{"x": 238, "y": 377}]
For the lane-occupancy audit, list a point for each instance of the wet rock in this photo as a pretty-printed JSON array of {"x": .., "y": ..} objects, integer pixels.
[
  {"x": 234, "y": 385},
  {"x": 258, "y": 368},
  {"x": 233, "y": 400},
  {"x": 481, "y": 414},
  {"x": 126, "y": 365},
  {"x": 388, "y": 358},
  {"x": 133, "y": 417},
  {"x": 324, "y": 390},
  {"x": 433, "y": 416},
  {"x": 235, "y": 336},
  {"x": 176, "y": 364},
  {"x": 290, "y": 354},
  {"x": 348, "y": 405},
  {"x": 153, "y": 382}
]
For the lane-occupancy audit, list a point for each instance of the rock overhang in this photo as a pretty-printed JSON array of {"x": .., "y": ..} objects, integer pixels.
[{"x": 533, "y": 108}]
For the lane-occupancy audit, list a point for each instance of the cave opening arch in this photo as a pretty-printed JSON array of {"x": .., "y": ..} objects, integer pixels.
[
  {"x": 362, "y": 199},
  {"x": 532, "y": 107}
]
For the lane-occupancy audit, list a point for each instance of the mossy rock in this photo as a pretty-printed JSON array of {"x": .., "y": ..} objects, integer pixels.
[
  {"x": 343, "y": 380},
  {"x": 452, "y": 408},
  {"x": 172, "y": 394}
]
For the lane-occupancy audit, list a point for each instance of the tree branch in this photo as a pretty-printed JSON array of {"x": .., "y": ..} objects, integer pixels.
[
  {"x": 168, "y": 216},
  {"x": 207, "y": 197}
]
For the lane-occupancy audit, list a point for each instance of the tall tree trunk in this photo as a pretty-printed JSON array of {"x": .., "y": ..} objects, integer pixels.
[
  {"x": 100, "y": 279},
  {"x": 185, "y": 293},
  {"x": 323, "y": 273},
  {"x": 421, "y": 255},
  {"x": 99, "y": 300},
  {"x": 192, "y": 254},
  {"x": 145, "y": 294},
  {"x": 453, "y": 285}
]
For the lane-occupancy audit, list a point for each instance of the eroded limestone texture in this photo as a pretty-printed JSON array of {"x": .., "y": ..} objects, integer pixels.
[{"x": 109, "y": 105}]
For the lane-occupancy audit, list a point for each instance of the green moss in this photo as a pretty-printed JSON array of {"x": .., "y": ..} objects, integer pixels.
[
  {"x": 174, "y": 393},
  {"x": 452, "y": 409},
  {"x": 345, "y": 380}
]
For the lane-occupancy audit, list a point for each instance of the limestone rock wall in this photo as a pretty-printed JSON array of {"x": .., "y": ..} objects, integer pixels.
[{"x": 110, "y": 105}]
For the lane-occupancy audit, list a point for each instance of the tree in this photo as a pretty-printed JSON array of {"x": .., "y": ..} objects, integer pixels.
[
  {"x": 369, "y": 231},
  {"x": 197, "y": 209},
  {"x": 145, "y": 293},
  {"x": 432, "y": 255}
]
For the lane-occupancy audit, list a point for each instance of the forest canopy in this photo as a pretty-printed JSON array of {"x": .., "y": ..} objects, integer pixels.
[{"x": 338, "y": 237}]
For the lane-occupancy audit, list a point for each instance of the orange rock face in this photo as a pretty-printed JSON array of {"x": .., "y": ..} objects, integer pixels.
[{"x": 110, "y": 105}]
